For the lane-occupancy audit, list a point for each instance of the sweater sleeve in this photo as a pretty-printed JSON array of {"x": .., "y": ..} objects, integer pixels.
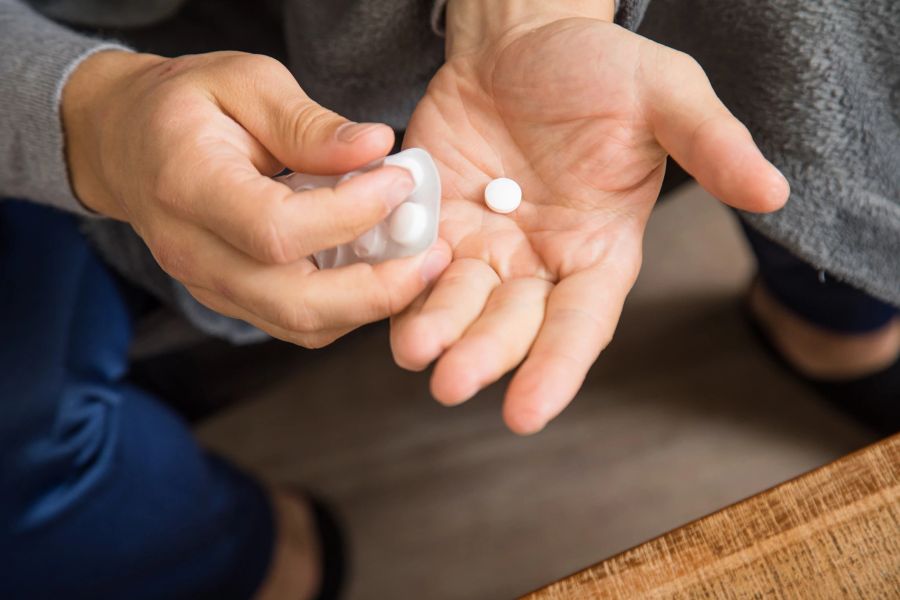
[
  {"x": 37, "y": 56},
  {"x": 629, "y": 14}
]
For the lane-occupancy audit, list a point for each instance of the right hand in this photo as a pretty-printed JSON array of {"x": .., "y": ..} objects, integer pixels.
[{"x": 184, "y": 149}]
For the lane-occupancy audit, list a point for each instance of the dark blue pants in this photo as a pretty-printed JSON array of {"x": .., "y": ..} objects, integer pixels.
[
  {"x": 104, "y": 493},
  {"x": 814, "y": 295}
]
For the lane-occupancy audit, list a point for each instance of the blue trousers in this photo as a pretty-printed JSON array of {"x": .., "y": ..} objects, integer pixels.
[
  {"x": 104, "y": 493},
  {"x": 816, "y": 296}
]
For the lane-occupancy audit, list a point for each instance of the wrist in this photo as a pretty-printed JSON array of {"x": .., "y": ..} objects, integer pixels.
[
  {"x": 86, "y": 113},
  {"x": 473, "y": 24}
]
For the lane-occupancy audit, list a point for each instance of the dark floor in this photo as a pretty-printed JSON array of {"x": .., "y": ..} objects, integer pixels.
[{"x": 681, "y": 415}]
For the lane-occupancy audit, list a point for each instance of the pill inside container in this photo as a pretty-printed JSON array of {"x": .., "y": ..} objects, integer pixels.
[
  {"x": 503, "y": 195},
  {"x": 409, "y": 223},
  {"x": 411, "y": 228}
]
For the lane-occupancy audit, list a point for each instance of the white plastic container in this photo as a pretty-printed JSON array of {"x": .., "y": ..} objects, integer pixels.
[{"x": 412, "y": 226}]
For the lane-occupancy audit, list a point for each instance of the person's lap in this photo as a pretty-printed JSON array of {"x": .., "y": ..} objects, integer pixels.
[{"x": 105, "y": 491}]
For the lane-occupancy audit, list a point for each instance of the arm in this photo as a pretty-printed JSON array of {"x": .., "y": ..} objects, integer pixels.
[
  {"x": 183, "y": 149},
  {"x": 36, "y": 59}
]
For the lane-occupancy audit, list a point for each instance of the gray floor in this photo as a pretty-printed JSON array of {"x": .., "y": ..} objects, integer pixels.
[{"x": 682, "y": 415}]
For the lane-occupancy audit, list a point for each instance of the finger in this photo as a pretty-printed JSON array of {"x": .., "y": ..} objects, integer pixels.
[
  {"x": 693, "y": 125},
  {"x": 271, "y": 223},
  {"x": 297, "y": 296},
  {"x": 581, "y": 316},
  {"x": 421, "y": 333},
  {"x": 225, "y": 307},
  {"x": 495, "y": 343},
  {"x": 302, "y": 134}
]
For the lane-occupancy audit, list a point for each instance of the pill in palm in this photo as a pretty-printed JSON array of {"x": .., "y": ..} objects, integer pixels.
[{"x": 503, "y": 195}]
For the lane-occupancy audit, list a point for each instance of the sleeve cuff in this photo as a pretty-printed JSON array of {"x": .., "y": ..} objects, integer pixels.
[
  {"x": 629, "y": 14},
  {"x": 59, "y": 184},
  {"x": 40, "y": 57}
]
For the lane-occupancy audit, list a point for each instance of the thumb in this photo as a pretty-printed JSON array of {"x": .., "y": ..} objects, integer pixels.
[
  {"x": 700, "y": 133},
  {"x": 300, "y": 133}
]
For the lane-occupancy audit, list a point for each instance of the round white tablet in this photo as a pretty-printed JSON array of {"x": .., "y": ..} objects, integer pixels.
[
  {"x": 503, "y": 195},
  {"x": 408, "y": 223}
]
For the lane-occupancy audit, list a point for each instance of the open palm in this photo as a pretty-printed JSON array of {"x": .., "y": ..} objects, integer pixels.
[{"x": 582, "y": 114}]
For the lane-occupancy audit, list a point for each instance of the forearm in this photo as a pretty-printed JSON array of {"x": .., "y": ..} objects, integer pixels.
[
  {"x": 36, "y": 58},
  {"x": 471, "y": 23}
]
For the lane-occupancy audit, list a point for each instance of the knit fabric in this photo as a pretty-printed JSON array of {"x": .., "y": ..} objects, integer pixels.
[
  {"x": 36, "y": 59},
  {"x": 818, "y": 84}
]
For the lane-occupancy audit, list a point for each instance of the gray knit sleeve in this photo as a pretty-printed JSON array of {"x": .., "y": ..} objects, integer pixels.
[
  {"x": 629, "y": 14},
  {"x": 36, "y": 58}
]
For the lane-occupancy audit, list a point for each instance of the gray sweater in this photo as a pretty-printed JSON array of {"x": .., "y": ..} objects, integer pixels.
[
  {"x": 818, "y": 87},
  {"x": 818, "y": 84}
]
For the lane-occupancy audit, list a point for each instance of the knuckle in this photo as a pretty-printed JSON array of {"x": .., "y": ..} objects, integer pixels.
[
  {"x": 268, "y": 242},
  {"x": 384, "y": 300},
  {"x": 175, "y": 67},
  {"x": 350, "y": 224},
  {"x": 168, "y": 184},
  {"x": 207, "y": 299},
  {"x": 171, "y": 258},
  {"x": 298, "y": 318},
  {"x": 315, "y": 341},
  {"x": 171, "y": 105},
  {"x": 224, "y": 289},
  {"x": 306, "y": 120},
  {"x": 262, "y": 65},
  {"x": 688, "y": 65}
]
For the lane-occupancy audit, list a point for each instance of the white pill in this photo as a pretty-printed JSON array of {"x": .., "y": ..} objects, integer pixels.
[
  {"x": 408, "y": 223},
  {"x": 503, "y": 195}
]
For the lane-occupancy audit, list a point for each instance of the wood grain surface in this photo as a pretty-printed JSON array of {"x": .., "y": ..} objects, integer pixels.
[{"x": 831, "y": 533}]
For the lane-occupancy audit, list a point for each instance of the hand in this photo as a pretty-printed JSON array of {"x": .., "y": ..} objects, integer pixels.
[
  {"x": 183, "y": 149},
  {"x": 582, "y": 114}
]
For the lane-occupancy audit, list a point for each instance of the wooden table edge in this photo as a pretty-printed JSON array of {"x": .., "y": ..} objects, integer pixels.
[{"x": 867, "y": 479}]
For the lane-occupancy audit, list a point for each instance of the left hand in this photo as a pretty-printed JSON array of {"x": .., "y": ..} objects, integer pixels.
[{"x": 582, "y": 113}]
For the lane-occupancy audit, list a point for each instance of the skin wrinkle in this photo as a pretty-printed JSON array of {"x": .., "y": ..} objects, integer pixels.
[
  {"x": 461, "y": 176},
  {"x": 430, "y": 313},
  {"x": 459, "y": 97},
  {"x": 541, "y": 270},
  {"x": 312, "y": 341},
  {"x": 489, "y": 258},
  {"x": 572, "y": 167}
]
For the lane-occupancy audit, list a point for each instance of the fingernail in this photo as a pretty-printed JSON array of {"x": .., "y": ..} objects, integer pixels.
[
  {"x": 780, "y": 172},
  {"x": 530, "y": 423},
  {"x": 400, "y": 188},
  {"x": 349, "y": 132},
  {"x": 434, "y": 264}
]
